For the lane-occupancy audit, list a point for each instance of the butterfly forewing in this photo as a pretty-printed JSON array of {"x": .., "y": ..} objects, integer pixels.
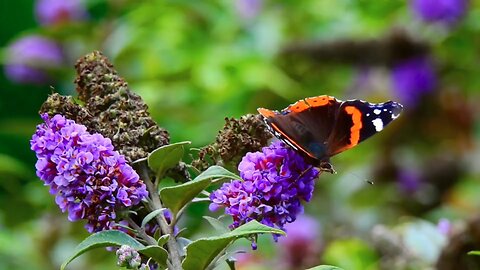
[
  {"x": 357, "y": 121},
  {"x": 306, "y": 124}
]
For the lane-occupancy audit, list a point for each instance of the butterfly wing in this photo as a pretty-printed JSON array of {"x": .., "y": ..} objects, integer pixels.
[
  {"x": 305, "y": 125},
  {"x": 357, "y": 121}
]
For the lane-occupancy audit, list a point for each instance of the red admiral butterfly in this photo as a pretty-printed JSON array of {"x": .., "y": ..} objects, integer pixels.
[{"x": 321, "y": 127}]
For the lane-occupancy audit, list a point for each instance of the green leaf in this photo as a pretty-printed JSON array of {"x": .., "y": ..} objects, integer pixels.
[
  {"x": 325, "y": 267},
  {"x": 166, "y": 157},
  {"x": 151, "y": 215},
  {"x": 474, "y": 252},
  {"x": 217, "y": 172},
  {"x": 177, "y": 196},
  {"x": 103, "y": 239},
  {"x": 163, "y": 239},
  {"x": 217, "y": 224},
  {"x": 157, "y": 253},
  {"x": 201, "y": 252}
]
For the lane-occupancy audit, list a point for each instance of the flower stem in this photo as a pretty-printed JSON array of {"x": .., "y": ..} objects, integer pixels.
[{"x": 174, "y": 255}]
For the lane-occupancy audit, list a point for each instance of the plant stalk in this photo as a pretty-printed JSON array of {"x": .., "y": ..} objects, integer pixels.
[{"x": 174, "y": 255}]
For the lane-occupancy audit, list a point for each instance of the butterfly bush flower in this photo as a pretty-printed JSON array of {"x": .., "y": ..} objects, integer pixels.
[
  {"x": 29, "y": 60},
  {"x": 52, "y": 12},
  {"x": 275, "y": 181},
  {"x": 446, "y": 12},
  {"x": 89, "y": 178},
  {"x": 412, "y": 79},
  {"x": 302, "y": 245}
]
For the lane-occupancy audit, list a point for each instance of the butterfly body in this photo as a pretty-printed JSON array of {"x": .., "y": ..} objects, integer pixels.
[{"x": 323, "y": 126}]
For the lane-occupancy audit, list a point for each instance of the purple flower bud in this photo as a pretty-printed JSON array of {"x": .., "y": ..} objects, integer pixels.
[
  {"x": 128, "y": 257},
  {"x": 31, "y": 58},
  {"x": 89, "y": 179},
  {"x": 412, "y": 79},
  {"x": 446, "y": 12},
  {"x": 54, "y": 12},
  {"x": 274, "y": 183}
]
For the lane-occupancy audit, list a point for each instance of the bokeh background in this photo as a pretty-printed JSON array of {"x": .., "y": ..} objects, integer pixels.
[{"x": 197, "y": 62}]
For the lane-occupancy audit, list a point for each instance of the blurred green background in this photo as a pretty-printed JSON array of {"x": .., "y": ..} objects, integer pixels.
[{"x": 197, "y": 62}]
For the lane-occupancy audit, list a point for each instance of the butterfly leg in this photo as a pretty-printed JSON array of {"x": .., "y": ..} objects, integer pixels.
[{"x": 326, "y": 166}]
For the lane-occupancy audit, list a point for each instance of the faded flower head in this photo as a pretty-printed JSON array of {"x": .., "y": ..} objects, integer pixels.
[
  {"x": 412, "y": 79},
  {"x": 446, "y": 12},
  {"x": 275, "y": 181},
  {"x": 31, "y": 58},
  {"x": 238, "y": 137},
  {"x": 89, "y": 178},
  {"x": 52, "y": 12},
  {"x": 128, "y": 257}
]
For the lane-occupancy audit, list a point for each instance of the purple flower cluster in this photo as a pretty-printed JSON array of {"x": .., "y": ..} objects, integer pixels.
[
  {"x": 31, "y": 58},
  {"x": 88, "y": 177},
  {"x": 446, "y": 12},
  {"x": 52, "y": 12},
  {"x": 412, "y": 79},
  {"x": 274, "y": 183}
]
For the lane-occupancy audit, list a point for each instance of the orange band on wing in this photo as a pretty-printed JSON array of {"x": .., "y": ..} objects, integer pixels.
[
  {"x": 319, "y": 101},
  {"x": 266, "y": 112},
  {"x": 298, "y": 106},
  {"x": 357, "y": 124},
  {"x": 355, "y": 129},
  {"x": 292, "y": 141}
]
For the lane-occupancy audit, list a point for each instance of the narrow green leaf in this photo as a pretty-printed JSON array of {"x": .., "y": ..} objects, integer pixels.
[
  {"x": 474, "y": 252},
  {"x": 166, "y": 157},
  {"x": 163, "y": 239},
  {"x": 177, "y": 196},
  {"x": 103, "y": 239},
  {"x": 201, "y": 252},
  {"x": 325, "y": 267},
  {"x": 150, "y": 216},
  {"x": 217, "y": 224},
  {"x": 157, "y": 253}
]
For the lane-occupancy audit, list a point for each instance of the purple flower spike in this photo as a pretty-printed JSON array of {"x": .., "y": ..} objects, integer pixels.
[
  {"x": 446, "y": 12},
  {"x": 275, "y": 181},
  {"x": 52, "y": 12},
  {"x": 30, "y": 59},
  {"x": 412, "y": 79},
  {"x": 89, "y": 178}
]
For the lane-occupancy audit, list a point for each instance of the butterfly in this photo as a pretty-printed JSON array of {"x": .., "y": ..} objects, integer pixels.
[{"x": 323, "y": 126}]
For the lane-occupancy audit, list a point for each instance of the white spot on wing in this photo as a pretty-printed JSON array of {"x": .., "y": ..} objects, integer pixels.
[
  {"x": 394, "y": 116},
  {"x": 377, "y": 111},
  {"x": 378, "y": 123}
]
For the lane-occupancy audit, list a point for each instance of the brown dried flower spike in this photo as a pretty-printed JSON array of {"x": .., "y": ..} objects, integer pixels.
[{"x": 110, "y": 109}]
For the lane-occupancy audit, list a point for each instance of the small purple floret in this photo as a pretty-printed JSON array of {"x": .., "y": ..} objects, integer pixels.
[
  {"x": 88, "y": 177},
  {"x": 275, "y": 181}
]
